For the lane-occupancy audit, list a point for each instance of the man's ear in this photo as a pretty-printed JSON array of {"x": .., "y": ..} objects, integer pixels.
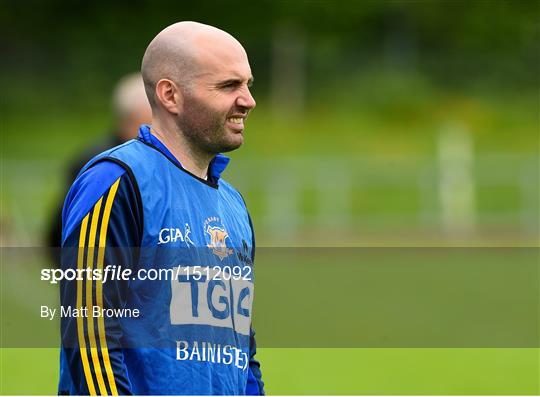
[{"x": 169, "y": 95}]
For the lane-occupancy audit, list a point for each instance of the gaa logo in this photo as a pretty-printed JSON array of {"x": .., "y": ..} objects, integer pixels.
[{"x": 216, "y": 237}]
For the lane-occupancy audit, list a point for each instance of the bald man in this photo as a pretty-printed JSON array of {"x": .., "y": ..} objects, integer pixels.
[{"x": 187, "y": 329}]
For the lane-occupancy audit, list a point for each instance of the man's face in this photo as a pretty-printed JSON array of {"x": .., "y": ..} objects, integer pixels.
[{"x": 217, "y": 103}]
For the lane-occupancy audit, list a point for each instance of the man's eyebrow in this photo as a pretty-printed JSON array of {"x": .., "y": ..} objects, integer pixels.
[{"x": 236, "y": 81}]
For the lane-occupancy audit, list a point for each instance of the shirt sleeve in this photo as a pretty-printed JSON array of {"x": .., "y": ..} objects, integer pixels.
[
  {"x": 102, "y": 222},
  {"x": 255, "y": 385}
]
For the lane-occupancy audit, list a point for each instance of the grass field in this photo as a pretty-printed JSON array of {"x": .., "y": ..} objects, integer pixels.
[{"x": 338, "y": 371}]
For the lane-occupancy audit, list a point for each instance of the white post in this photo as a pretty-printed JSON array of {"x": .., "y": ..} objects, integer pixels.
[{"x": 456, "y": 179}]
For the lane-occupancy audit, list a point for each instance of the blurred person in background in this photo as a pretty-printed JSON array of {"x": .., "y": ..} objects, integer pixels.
[{"x": 131, "y": 109}]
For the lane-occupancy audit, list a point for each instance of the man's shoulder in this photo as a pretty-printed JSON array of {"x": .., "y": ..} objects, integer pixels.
[
  {"x": 131, "y": 154},
  {"x": 101, "y": 173},
  {"x": 114, "y": 151},
  {"x": 224, "y": 184},
  {"x": 227, "y": 187},
  {"x": 90, "y": 185}
]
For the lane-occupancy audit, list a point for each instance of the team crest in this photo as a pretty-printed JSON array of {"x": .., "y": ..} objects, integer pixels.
[{"x": 216, "y": 237}]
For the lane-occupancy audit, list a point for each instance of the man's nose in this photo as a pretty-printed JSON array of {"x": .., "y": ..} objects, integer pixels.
[{"x": 246, "y": 100}]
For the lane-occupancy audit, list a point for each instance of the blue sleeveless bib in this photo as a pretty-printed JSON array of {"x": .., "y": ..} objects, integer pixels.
[{"x": 193, "y": 332}]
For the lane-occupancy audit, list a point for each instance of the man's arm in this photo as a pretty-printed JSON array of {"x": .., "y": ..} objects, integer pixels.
[
  {"x": 102, "y": 221},
  {"x": 255, "y": 385}
]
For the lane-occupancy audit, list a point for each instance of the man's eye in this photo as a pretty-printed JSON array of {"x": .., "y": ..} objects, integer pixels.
[{"x": 229, "y": 86}]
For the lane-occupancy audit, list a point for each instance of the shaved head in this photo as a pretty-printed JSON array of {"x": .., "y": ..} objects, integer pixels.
[
  {"x": 178, "y": 51},
  {"x": 197, "y": 79}
]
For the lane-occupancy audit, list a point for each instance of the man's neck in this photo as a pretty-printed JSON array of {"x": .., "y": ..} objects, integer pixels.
[{"x": 174, "y": 140}]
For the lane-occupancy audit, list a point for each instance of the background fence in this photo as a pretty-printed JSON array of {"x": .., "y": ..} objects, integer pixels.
[{"x": 330, "y": 200}]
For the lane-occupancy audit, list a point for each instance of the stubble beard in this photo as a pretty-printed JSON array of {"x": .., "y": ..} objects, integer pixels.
[{"x": 204, "y": 128}]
